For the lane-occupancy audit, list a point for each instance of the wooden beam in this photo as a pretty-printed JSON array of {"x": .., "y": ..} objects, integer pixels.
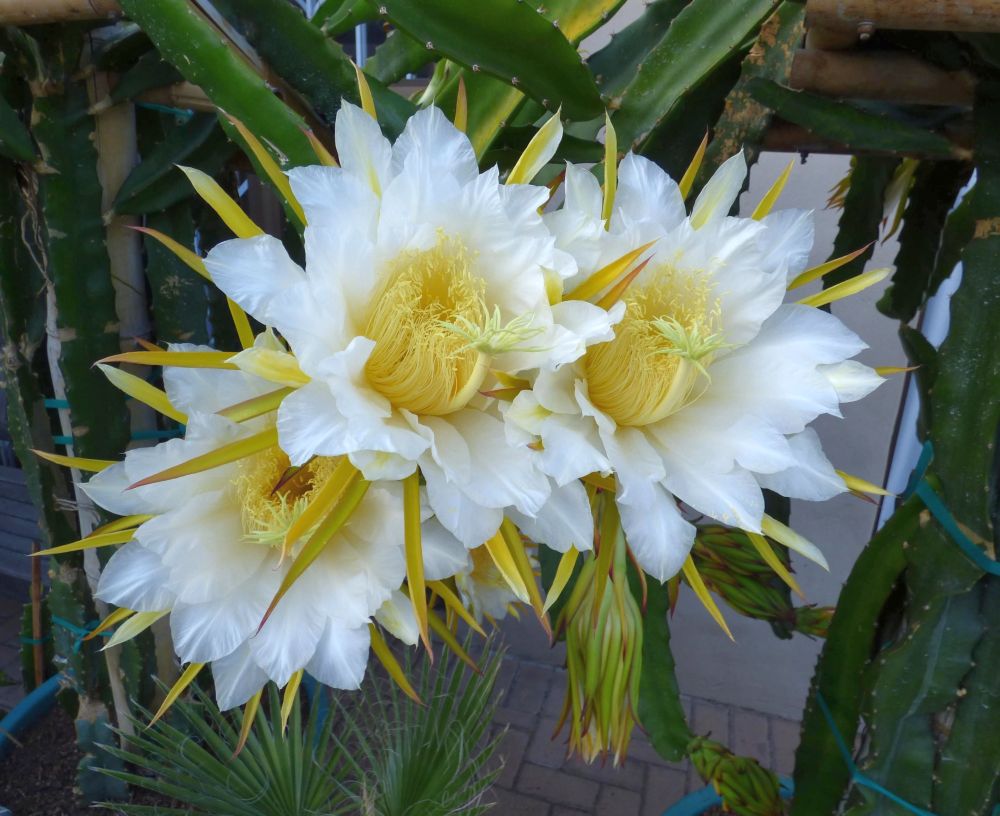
[
  {"x": 785, "y": 137},
  {"x": 33, "y": 12},
  {"x": 925, "y": 15},
  {"x": 886, "y": 75}
]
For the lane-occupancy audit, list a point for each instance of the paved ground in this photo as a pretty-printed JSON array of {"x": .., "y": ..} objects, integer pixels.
[{"x": 537, "y": 780}]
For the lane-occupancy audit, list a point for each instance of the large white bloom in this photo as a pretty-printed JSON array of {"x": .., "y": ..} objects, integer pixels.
[
  {"x": 705, "y": 392},
  {"x": 422, "y": 276},
  {"x": 211, "y": 556}
]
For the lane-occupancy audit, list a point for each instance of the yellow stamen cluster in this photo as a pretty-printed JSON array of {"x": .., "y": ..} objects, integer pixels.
[
  {"x": 420, "y": 363},
  {"x": 657, "y": 362},
  {"x": 271, "y": 497}
]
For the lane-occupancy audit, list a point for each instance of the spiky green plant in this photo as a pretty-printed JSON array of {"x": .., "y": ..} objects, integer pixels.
[{"x": 377, "y": 753}]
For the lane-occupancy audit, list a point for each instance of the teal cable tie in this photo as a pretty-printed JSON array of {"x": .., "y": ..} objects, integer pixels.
[
  {"x": 857, "y": 776},
  {"x": 81, "y": 632},
  {"x": 919, "y": 486}
]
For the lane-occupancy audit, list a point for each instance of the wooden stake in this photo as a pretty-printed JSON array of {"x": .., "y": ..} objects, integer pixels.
[
  {"x": 37, "y": 647},
  {"x": 925, "y": 15},
  {"x": 889, "y": 75},
  {"x": 33, "y": 12}
]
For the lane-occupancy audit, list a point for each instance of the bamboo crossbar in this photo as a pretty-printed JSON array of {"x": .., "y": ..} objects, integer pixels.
[
  {"x": 887, "y": 75},
  {"x": 925, "y": 15}
]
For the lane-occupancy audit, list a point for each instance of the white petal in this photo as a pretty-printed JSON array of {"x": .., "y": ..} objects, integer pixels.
[
  {"x": 657, "y": 534},
  {"x": 135, "y": 578},
  {"x": 851, "y": 379},
  {"x": 467, "y": 521},
  {"x": 571, "y": 448},
  {"x": 209, "y": 390},
  {"x": 363, "y": 150},
  {"x": 719, "y": 194},
  {"x": 444, "y": 555},
  {"x": 578, "y": 324},
  {"x": 378, "y": 465},
  {"x": 287, "y": 642},
  {"x": 564, "y": 522},
  {"x": 647, "y": 193},
  {"x": 333, "y": 198},
  {"x": 209, "y": 631},
  {"x": 398, "y": 618},
  {"x": 431, "y": 140},
  {"x": 310, "y": 424},
  {"x": 341, "y": 657},
  {"x": 526, "y": 414},
  {"x": 312, "y": 317},
  {"x": 787, "y": 242},
  {"x": 252, "y": 271},
  {"x": 237, "y": 678},
  {"x": 107, "y": 489},
  {"x": 812, "y": 477},
  {"x": 732, "y": 498},
  {"x": 636, "y": 462},
  {"x": 582, "y": 191}
]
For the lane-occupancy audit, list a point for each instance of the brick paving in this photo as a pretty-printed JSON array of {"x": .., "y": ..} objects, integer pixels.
[{"x": 537, "y": 779}]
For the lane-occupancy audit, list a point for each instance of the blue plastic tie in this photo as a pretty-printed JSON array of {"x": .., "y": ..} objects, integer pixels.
[
  {"x": 857, "y": 776},
  {"x": 919, "y": 486},
  {"x": 180, "y": 113},
  {"x": 81, "y": 632}
]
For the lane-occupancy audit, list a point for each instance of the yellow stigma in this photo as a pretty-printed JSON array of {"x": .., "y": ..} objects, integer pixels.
[
  {"x": 657, "y": 362},
  {"x": 271, "y": 497},
  {"x": 420, "y": 362}
]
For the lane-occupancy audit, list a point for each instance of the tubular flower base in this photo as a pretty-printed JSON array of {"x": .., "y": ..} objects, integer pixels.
[{"x": 453, "y": 380}]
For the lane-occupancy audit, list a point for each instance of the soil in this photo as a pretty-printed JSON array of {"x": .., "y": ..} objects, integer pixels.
[{"x": 37, "y": 778}]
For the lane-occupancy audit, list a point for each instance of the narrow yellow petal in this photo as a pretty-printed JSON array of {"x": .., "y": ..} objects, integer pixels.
[
  {"x": 323, "y": 502},
  {"x": 771, "y": 196},
  {"x": 111, "y": 620},
  {"x": 703, "y": 595},
  {"x": 449, "y": 639},
  {"x": 185, "y": 680},
  {"x": 764, "y": 549},
  {"x": 888, "y": 371},
  {"x": 391, "y": 665},
  {"x": 415, "y": 554},
  {"x": 88, "y": 465},
  {"x": 859, "y": 485},
  {"x": 604, "y": 482},
  {"x": 497, "y": 548},
  {"x": 610, "y": 170},
  {"x": 139, "y": 389},
  {"x": 785, "y": 535},
  {"x": 275, "y": 366},
  {"x": 606, "y": 275},
  {"x": 325, "y": 156},
  {"x": 249, "y": 713},
  {"x": 241, "y": 322},
  {"x": 123, "y": 523},
  {"x": 88, "y": 543},
  {"x": 220, "y": 456},
  {"x": 461, "y": 106},
  {"x": 615, "y": 293},
  {"x": 178, "y": 359},
  {"x": 454, "y": 603},
  {"x": 563, "y": 573},
  {"x": 255, "y": 406},
  {"x": 367, "y": 103},
  {"x": 687, "y": 180},
  {"x": 270, "y": 167},
  {"x": 217, "y": 198},
  {"x": 825, "y": 268},
  {"x": 288, "y": 698},
  {"x": 182, "y": 252},
  {"x": 327, "y": 529},
  {"x": 847, "y": 288},
  {"x": 515, "y": 545},
  {"x": 538, "y": 152},
  {"x": 135, "y": 625}
]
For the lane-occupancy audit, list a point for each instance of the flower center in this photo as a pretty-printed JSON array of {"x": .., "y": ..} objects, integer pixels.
[
  {"x": 420, "y": 362},
  {"x": 272, "y": 496},
  {"x": 657, "y": 362}
]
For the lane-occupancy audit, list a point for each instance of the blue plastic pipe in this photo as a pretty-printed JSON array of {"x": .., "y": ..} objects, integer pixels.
[{"x": 27, "y": 712}]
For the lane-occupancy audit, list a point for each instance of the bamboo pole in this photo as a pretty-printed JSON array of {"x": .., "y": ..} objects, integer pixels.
[
  {"x": 785, "y": 137},
  {"x": 33, "y": 12},
  {"x": 889, "y": 75},
  {"x": 925, "y": 15}
]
